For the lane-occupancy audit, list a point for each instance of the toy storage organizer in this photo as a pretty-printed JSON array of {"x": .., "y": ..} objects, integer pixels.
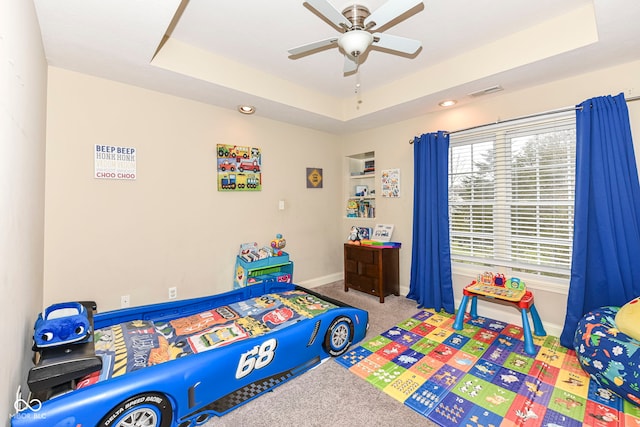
[{"x": 276, "y": 268}]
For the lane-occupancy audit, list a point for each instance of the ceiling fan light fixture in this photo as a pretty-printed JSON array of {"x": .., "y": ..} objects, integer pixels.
[
  {"x": 355, "y": 42},
  {"x": 246, "y": 109},
  {"x": 360, "y": 29}
]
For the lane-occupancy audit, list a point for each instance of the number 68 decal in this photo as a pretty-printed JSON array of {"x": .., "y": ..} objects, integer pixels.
[{"x": 256, "y": 358}]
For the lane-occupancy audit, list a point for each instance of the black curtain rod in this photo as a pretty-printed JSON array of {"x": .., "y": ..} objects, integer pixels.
[{"x": 545, "y": 113}]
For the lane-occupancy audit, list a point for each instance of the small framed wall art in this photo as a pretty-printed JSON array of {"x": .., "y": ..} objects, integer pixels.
[
  {"x": 391, "y": 183},
  {"x": 314, "y": 177},
  {"x": 361, "y": 191},
  {"x": 239, "y": 168}
]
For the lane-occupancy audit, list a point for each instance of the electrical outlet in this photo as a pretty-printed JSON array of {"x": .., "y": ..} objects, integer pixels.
[
  {"x": 124, "y": 301},
  {"x": 173, "y": 292}
]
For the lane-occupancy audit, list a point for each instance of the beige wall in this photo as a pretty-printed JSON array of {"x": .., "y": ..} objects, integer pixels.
[
  {"x": 23, "y": 78},
  {"x": 392, "y": 148},
  {"x": 171, "y": 227}
]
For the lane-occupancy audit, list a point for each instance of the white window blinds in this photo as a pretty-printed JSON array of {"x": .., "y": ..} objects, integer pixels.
[{"x": 511, "y": 195}]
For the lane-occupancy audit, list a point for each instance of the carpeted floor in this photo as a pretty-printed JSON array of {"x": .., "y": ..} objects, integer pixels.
[
  {"x": 330, "y": 395},
  {"x": 481, "y": 376}
]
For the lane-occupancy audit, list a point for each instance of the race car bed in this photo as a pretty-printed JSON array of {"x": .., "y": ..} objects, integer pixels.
[{"x": 180, "y": 363}]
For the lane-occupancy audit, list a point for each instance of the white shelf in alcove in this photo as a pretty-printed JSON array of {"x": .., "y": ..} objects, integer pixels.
[{"x": 370, "y": 175}]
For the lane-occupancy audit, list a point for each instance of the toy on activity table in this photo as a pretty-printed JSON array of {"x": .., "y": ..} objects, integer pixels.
[
  {"x": 515, "y": 283},
  {"x": 494, "y": 287},
  {"x": 497, "y": 286},
  {"x": 485, "y": 278},
  {"x": 490, "y": 279}
]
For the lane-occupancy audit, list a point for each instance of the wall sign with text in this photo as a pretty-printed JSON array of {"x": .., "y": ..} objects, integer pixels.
[{"x": 113, "y": 162}]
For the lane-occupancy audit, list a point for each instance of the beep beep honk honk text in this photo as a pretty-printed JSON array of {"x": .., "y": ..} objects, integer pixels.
[{"x": 113, "y": 162}]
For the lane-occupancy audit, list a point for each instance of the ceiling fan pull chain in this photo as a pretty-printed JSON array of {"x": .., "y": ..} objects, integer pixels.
[{"x": 358, "y": 89}]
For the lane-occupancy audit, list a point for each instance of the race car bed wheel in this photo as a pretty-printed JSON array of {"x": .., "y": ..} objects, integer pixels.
[
  {"x": 142, "y": 410},
  {"x": 339, "y": 336}
]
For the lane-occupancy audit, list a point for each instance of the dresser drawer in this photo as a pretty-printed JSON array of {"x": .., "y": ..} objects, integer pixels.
[
  {"x": 362, "y": 283},
  {"x": 363, "y": 255},
  {"x": 360, "y": 268},
  {"x": 350, "y": 266}
]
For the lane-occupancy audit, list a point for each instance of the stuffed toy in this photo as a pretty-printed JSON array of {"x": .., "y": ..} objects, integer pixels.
[
  {"x": 62, "y": 323},
  {"x": 353, "y": 234},
  {"x": 628, "y": 319}
]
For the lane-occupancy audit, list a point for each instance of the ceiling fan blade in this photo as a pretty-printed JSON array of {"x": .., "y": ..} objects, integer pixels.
[
  {"x": 331, "y": 13},
  {"x": 397, "y": 43},
  {"x": 350, "y": 64},
  {"x": 313, "y": 46},
  {"x": 389, "y": 11}
]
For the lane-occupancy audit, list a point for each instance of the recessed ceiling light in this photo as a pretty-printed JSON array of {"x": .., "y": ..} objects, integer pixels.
[
  {"x": 246, "y": 109},
  {"x": 448, "y": 103}
]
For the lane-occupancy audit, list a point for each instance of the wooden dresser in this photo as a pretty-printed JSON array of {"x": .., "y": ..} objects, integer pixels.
[{"x": 372, "y": 270}]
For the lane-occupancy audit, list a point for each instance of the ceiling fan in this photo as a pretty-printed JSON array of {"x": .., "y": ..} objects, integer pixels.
[{"x": 358, "y": 25}]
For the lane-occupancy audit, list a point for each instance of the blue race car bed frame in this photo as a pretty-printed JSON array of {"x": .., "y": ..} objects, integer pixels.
[{"x": 181, "y": 363}]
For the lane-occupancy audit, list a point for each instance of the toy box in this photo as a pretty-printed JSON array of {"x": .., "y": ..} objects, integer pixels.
[{"x": 279, "y": 268}]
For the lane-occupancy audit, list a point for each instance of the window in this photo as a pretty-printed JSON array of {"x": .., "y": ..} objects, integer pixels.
[{"x": 511, "y": 195}]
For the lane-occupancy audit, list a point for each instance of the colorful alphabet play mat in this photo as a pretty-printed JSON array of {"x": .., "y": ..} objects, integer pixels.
[{"x": 481, "y": 376}]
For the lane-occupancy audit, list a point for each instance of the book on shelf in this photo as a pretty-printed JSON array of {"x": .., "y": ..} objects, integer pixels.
[
  {"x": 369, "y": 167},
  {"x": 360, "y": 208}
]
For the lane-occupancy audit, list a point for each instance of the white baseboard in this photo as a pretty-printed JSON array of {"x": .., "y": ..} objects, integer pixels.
[{"x": 319, "y": 281}]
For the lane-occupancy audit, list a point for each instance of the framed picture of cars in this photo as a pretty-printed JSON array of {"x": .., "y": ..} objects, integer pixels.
[{"x": 239, "y": 168}]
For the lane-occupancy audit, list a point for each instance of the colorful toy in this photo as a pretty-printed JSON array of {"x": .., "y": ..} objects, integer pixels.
[
  {"x": 499, "y": 292},
  {"x": 353, "y": 235},
  {"x": 499, "y": 279},
  {"x": 485, "y": 278},
  {"x": 60, "y": 324},
  {"x": 517, "y": 296},
  {"x": 515, "y": 283},
  {"x": 278, "y": 244},
  {"x": 497, "y": 286},
  {"x": 352, "y": 209},
  {"x": 489, "y": 279}
]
